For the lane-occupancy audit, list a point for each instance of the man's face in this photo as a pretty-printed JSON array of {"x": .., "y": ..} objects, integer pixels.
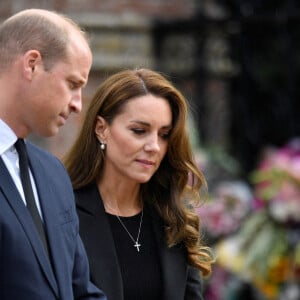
[{"x": 56, "y": 93}]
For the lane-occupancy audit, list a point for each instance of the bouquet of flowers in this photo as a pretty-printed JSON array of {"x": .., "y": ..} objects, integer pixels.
[
  {"x": 269, "y": 239},
  {"x": 255, "y": 230},
  {"x": 277, "y": 183},
  {"x": 226, "y": 208},
  {"x": 221, "y": 217}
]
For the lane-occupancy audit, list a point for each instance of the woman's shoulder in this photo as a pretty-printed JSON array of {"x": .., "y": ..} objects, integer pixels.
[{"x": 86, "y": 196}]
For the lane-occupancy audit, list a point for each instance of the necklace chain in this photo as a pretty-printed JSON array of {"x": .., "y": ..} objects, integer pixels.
[{"x": 136, "y": 241}]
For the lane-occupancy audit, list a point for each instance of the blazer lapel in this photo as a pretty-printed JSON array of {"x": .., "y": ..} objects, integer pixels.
[
  {"x": 99, "y": 242},
  {"x": 15, "y": 201},
  {"x": 173, "y": 264}
]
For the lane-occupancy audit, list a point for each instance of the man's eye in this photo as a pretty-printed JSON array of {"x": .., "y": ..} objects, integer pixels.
[{"x": 73, "y": 85}]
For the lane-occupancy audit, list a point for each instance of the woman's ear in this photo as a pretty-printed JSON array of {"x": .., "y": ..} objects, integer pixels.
[{"x": 101, "y": 129}]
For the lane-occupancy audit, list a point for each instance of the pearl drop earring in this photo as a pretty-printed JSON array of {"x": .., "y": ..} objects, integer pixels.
[{"x": 102, "y": 146}]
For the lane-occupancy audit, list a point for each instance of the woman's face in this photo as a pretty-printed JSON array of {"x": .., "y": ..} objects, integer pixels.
[{"x": 137, "y": 139}]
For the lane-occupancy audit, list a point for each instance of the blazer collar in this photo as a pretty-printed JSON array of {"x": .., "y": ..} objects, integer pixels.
[
  {"x": 14, "y": 199},
  {"x": 173, "y": 261},
  {"x": 99, "y": 242},
  {"x": 47, "y": 197}
]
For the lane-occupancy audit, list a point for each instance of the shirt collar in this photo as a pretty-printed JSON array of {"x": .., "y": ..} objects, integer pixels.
[{"x": 7, "y": 137}]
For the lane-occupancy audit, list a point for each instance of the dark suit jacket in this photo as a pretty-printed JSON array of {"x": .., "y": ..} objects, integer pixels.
[
  {"x": 25, "y": 270},
  {"x": 180, "y": 281}
]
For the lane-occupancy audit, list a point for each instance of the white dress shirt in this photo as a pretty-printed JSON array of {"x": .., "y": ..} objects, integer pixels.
[{"x": 10, "y": 157}]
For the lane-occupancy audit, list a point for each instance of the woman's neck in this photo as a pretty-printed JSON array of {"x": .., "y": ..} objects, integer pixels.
[{"x": 121, "y": 199}]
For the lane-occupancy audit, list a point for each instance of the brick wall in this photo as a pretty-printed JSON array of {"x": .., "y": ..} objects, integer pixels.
[
  {"x": 121, "y": 38},
  {"x": 149, "y": 8}
]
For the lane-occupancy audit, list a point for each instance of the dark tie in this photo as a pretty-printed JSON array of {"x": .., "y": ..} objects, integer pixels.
[{"x": 28, "y": 192}]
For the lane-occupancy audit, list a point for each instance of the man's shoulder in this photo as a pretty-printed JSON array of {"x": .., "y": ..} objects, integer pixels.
[
  {"x": 41, "y": 153},
  {"x": 44, "y": 161}
]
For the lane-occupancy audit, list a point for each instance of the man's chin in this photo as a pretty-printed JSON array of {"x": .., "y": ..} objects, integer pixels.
[{"x": 50, "y": 132}]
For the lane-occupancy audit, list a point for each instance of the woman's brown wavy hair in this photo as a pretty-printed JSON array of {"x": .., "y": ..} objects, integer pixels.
[{"x": 174, "y": 189}]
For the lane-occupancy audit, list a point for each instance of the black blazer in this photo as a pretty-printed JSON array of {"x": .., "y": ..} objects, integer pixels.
[{"x": 180, "y": 281}]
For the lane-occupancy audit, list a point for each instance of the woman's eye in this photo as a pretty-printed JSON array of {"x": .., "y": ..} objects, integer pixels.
[
  {"x": 165, "y": 135},
  {"x": 138, "y": 130}
]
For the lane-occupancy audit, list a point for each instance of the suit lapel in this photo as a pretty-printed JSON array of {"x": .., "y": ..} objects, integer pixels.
[
  {"x": 173, "y": 264},
  {"x": 99, "y": 242},
  {"x": 16, "y": 203}
]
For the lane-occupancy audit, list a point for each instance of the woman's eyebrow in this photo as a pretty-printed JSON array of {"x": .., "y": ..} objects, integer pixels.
[{"x": 148, "y": 124}]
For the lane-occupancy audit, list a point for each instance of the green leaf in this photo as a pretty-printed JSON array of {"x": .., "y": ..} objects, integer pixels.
[
  {"x": 251, "y": 226},
  {"x": 259, "y": 252}
]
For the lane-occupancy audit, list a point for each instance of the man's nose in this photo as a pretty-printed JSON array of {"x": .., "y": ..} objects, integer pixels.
[{"x": 76, "y": 102}]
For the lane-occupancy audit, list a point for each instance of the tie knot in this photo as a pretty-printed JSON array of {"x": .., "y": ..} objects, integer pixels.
[
  {"x": 21, "y": 147},
  {"x": 19, "y": 144}
]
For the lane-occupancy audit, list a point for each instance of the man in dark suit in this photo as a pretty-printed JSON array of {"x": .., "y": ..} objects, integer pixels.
[{"x": 45, "y": 62}]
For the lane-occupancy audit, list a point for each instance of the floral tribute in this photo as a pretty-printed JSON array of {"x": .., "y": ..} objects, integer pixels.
[
  {"x": 270, "y": 238},
  {"x": 226, "y": 208},
  {"x": 264, "y": 251}
]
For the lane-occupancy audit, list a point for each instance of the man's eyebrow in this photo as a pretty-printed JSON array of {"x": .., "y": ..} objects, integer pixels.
[{"x": 78, "y": 80}]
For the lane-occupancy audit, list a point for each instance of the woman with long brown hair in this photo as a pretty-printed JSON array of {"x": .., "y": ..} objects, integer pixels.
[{"x": 136, "y": 183}]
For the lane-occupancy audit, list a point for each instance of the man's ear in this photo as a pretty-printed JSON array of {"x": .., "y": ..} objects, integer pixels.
[
  {"x": 101, "y": 129},
  {"x": 31, "y": 61}
]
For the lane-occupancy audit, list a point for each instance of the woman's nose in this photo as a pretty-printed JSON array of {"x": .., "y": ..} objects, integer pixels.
[{"x": 152, "y": 144}]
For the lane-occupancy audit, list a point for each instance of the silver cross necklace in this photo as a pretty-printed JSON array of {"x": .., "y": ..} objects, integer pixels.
[{"x": 136, "y": 244}]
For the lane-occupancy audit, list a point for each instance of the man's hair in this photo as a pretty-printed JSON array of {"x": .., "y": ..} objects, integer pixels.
[{"x": 35, "y": 29}]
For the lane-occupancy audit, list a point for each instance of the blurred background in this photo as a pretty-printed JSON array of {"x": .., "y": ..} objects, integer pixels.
[{"x": 238, "y": 64}]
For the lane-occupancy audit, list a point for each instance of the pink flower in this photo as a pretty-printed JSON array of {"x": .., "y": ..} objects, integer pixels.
[
  {"x": 229, "y": 204},
  {"x": 277, "y": 182}
]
